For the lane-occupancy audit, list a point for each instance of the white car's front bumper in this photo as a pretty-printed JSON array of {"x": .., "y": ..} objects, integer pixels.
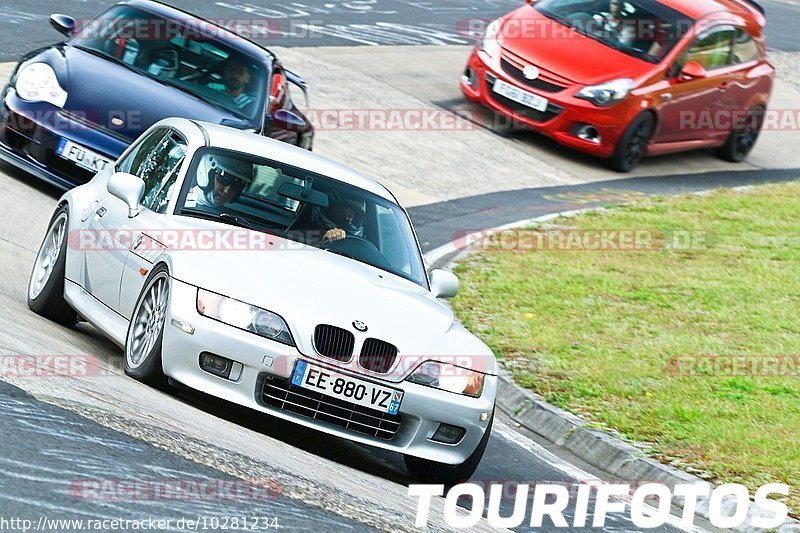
[{"x": 422, "y": 410}]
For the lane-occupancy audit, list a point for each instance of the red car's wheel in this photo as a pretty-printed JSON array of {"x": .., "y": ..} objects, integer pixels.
[
  {"x": 632, "y": 147},
  {"x": 742, "y": 139}
]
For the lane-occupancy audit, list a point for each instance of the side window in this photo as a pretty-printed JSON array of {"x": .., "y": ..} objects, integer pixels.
[
  {"x": 160, "y": 171},
  {"x": 156, "y": 159},
  {"x": 711, "y": 51},
  {"x": 134, "y": 159},
  {"x": 745, "y": 48}
]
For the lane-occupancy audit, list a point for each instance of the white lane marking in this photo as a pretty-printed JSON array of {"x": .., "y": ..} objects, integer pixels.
[
  {"x": 14, "y": 16},
  {"x": 569, "y": 469},
  {"x": 382, "y": 33},
  {"x": 301, "y": 9},
  {"x": 457, "y": 6}
]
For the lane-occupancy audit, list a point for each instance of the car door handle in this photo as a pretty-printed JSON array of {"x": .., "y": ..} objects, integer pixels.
[
  {"x": 101, "y": 211},
  {"x": 726, "y": 85}
]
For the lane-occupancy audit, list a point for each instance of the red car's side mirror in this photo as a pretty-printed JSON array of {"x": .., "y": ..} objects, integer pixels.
[{"x": 693, "y": 71}]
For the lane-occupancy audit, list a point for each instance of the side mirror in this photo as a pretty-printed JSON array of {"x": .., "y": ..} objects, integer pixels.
[
  {"x": 289, "y": 121},
  {"x": 444, "y": 284},
  {"x": 693, "y": 71},
  {"x": 63, "y": 24},
  {"x": 128, "y": 188}
]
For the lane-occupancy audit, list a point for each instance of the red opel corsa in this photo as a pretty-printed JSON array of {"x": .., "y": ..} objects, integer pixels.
[{"x": 621, "y": 79}]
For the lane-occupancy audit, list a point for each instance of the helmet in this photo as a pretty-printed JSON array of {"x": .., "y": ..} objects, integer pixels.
[{"x": 219, "y": 167}]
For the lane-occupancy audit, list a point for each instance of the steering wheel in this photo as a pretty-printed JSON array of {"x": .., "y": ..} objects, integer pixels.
[
  {"x": 355, "y": 240},
  {"x": 357, "y": 248}
]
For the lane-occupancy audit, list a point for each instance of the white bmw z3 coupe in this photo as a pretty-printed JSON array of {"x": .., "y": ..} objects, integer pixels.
[{"x": 276, "y": 279}]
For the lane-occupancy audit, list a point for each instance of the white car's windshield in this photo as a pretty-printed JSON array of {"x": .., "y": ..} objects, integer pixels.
[
  {"x": 268, "y": 196},
  {"x": 642, "y": 28},
  {"x": 178, "y": 55}
]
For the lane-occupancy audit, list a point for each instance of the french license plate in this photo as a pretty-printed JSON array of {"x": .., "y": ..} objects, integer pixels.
[
  {"x": 83, "y": 157},
  {"x": 521, "y": 97},
  {"x": 346, "y": 388}
]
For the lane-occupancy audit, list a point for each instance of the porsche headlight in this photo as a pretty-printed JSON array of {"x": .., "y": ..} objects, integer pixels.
[
  {"x": 243, "y": 316},
  {"x": 490, "y": 43},
  {"x": 450, "y": 378},
  {"x": 37, "y": 82},
  {"x": 607, "y": 94}
]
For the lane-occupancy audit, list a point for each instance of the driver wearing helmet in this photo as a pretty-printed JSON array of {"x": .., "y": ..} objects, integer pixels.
[
  {"x": 340, "y": 219},
  {"x": 221, "y": 180}
]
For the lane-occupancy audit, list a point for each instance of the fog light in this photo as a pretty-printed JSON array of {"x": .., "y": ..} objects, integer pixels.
[
  {"x": 220, "y": 366},
  {"x": 471, "y": 78},
  {"x": 485, "y": 417},
  {"x": 448, "y": 434},
  {"x": 589, "y": 133}
]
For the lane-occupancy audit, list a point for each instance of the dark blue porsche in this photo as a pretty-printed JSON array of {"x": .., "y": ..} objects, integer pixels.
[{"x": 72, "y": 108}]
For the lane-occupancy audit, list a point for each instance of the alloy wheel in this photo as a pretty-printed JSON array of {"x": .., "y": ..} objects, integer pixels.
[{"x": 47, "y": 257}]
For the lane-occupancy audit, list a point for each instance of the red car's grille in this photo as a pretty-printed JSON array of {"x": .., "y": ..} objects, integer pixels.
[
  {"x": 539, "y": 83},
  {"x": 519, "y": 63}
]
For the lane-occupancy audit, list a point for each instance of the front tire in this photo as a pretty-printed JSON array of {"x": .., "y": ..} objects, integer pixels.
[
  {"x": 431, "y": 472},
  {"x": 742, "y": 140},
  {"x": 46, "y": 286},
  {"x": 146, "y": 331},
  {"x": 632, "y": 146}
]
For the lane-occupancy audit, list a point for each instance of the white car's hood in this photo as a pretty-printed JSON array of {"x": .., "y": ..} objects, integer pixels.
[{"x": 308, "y": 287}]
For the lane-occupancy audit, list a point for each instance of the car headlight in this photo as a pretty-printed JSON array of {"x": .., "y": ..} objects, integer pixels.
[
  {"x": 449, "y": 377},
  {"x": 608, "y": 93},
  {"x": 37, "y": 82},
  {"x": 490, "y": 43},
  {"x": 243, "y": 316}
]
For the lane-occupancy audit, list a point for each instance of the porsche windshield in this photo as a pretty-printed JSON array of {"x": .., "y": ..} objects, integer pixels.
[
  {"x": 262, "y": 195},
  {"x": 177, "y": 54},
  {"x": 646, "y": 29}
]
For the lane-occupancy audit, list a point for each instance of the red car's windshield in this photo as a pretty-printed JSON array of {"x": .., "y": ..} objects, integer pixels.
[{"x": 642, "y": 28}]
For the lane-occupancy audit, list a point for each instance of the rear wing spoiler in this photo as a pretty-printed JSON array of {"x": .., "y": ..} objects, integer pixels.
[
  {"x": 752, "y": 4},
  {"x": 758, "y": 7}
]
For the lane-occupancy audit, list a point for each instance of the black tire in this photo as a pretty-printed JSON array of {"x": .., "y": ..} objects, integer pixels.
[
  {"x": 742, "y": 139},
  {"x": 46, "y": 284},
  {"x": 431, "y": 472},
  {"x": 632, "y": 146},
  {"x": 145, "y": 364}
]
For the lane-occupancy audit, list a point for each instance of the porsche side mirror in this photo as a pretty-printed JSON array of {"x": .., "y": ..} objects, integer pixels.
[
  {"x": 693, "y": 71},
  {"x": 289, "y": 121},
  {"x": 444, "y": 284},
  {"x": 63, "y": 24},
  {"x": 128, "y": 188}
]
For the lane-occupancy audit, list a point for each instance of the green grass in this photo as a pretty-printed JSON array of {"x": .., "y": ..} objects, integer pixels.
[{"x": 595, "y": 332}]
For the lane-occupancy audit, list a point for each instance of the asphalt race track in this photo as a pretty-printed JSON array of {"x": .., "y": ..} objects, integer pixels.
[
  {"x": 327, "y": 23},
  {"x": 59, "y": 434}
]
